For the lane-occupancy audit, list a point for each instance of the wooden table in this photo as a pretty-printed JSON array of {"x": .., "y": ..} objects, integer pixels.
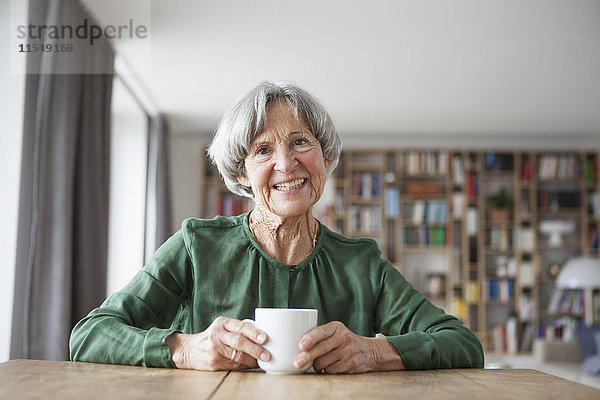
[{"x": 32, "y": 379}]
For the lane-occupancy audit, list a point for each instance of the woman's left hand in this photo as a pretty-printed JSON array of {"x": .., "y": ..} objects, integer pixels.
[{"x": 335, "y": 349}]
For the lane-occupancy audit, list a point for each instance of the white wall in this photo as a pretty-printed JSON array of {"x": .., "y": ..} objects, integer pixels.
[
  {"x": 384, "y": 66},
  {"x": 187, "y": 154},
  {"x": 11, "y": 129},
  {"x": 499, "y": 140}
]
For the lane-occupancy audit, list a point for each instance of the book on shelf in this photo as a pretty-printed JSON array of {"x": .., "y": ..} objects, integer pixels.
[
  {"x": 442, "y": 166},
  {"x": 502, "y": 290},
  {"x": 526, "y": 307},
  {"x": 472, "y": 221},
  {"x": 527, "y": 336},
  {"x": 526, "y": 274},
  {"x": 472, "y": 292},
  {"x": 566, "y": 301},
  {"x": 458, "y": 201},
  {"x": 392, "y": 201},
  {"x": 594, "y": 205},
  {"x": 366, "y": 185},
  {"x": 525, "y": 239},
  {"x": 498, "y": 162},
  {"x": 554, "y": 300},
  {"x": 429, "y": 211},
  {"x": 591, "y": 170},
  {"x": 505, "y": 337},
  {"x": 525, "y": 212},
  {"x": 593, "y": 240},
  {"x": 499, "y": 338},
  {"x": 365, "y": 188},
  {"x": 526, "y": 171},
  {"x": 564, "y": 166},
  {"x": 511, "y": 335},
  {"x": 418, "y": 212},
  {"x": 472, "y": 187},
  {"x": 473, "y": 249},
  {"x": 500, "y": 238},
  {"x": 230, "y": 204},
  {"x": 458, "y": 308},
  {"x": 436, "y": 211},
  {"x": 547, "y": 167},
  {"x": 559, "y": 198},
  {"x": 560, "y": 329},
  {"x": 364, "y": 218},
  {"x": 424, "y": 236},
  {"x": 458, "y": 170},
  {"x": 426, "y": 163}
]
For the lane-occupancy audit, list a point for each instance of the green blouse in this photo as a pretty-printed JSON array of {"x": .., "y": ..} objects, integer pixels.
[{"x": 215, "y": 267}]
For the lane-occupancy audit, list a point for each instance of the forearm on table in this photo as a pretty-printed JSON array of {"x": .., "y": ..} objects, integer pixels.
[
  {"x": 177, "y": 343},
  {"x": 385, "y": 355},
  {"x": 450, "y": 348},
  {"x": 107, "y": 339}
]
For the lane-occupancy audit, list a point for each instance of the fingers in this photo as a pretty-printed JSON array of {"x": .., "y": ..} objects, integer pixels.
[
  {"x": 316, "y": 335},
  {"x": 237, "y": 359},
  {"x": 243, "y": 337},
  {"x": 244, "y": 347},
  {"x": 327, "y": 362},
  {"x": 244, "y": 328},
  {"x": 318, "y": 342},
  {"x": 320, "y": 349}
]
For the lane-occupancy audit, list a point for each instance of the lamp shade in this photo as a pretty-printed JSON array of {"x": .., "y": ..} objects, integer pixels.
[{"x": 579, "y": 273}]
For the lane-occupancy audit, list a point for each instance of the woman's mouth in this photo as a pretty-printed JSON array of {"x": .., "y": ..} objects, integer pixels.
[{"x": 295, "y": 184}]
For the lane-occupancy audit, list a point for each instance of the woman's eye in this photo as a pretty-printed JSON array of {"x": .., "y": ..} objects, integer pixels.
[
  {"x": 262, "y": 150},
  {"x": 300, "y": 142}
]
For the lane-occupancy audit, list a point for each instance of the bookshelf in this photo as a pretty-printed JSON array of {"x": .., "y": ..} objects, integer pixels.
[
  {"x": 216, "y": 199},
  {"x": 435, "y": 215}
]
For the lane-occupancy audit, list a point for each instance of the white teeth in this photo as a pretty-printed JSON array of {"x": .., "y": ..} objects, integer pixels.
[{"x": 290, "y": 185}]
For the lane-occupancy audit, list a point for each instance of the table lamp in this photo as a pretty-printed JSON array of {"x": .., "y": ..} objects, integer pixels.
[{"x": 581, "y": 273}]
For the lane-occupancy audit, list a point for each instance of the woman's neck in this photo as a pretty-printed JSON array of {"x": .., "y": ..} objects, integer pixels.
[{"x": 288, "y": 240}]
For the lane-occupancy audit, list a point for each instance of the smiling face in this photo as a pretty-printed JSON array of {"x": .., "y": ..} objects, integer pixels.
[{"x": 285, "y": 166}]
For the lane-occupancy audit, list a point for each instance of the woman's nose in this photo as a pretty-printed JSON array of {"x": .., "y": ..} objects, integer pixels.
[{"x": 285, "y": 161}]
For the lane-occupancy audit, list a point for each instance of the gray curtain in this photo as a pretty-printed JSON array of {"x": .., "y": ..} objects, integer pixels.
[
  {"x": 158, "y": 199},
  {"x": 63, "y": 217}
]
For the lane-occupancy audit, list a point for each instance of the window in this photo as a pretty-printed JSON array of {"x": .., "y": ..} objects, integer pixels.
[{"x": 127, "y": 203}]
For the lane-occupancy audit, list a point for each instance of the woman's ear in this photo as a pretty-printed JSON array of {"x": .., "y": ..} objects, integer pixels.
[
  {"x": 243, "y": 180},
  {"x": 327, "y": 164}
]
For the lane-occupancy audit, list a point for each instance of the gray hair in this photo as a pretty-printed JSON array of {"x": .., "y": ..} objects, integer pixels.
[{"x": 247, "y": 118}]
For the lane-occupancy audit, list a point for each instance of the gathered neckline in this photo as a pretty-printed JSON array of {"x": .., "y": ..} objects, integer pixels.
[{"x": 297, "y": 267}]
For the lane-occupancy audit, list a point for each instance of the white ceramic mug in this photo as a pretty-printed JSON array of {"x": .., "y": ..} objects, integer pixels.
[{"x": 284, "y": 328}]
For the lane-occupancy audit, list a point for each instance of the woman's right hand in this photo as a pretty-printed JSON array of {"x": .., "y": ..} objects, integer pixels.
[{"x": 226, "y": 344}]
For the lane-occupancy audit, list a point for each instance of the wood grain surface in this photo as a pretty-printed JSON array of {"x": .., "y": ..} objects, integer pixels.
[
  {"x": 31, "y": 379},
  {"x": 444, "y": 384}
]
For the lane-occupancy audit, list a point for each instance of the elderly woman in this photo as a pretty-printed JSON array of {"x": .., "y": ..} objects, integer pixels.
[{"x": 185, "y": 308}]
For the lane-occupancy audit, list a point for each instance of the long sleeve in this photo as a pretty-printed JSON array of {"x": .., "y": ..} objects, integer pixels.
[
  {"x": 424, "y": 336},
  {"x": 131, "y": 326}
]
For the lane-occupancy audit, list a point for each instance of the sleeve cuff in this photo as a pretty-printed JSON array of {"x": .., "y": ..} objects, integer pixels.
[
  {"x": 156, "y": 350},
  {"x": 415, "y": 350}
]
